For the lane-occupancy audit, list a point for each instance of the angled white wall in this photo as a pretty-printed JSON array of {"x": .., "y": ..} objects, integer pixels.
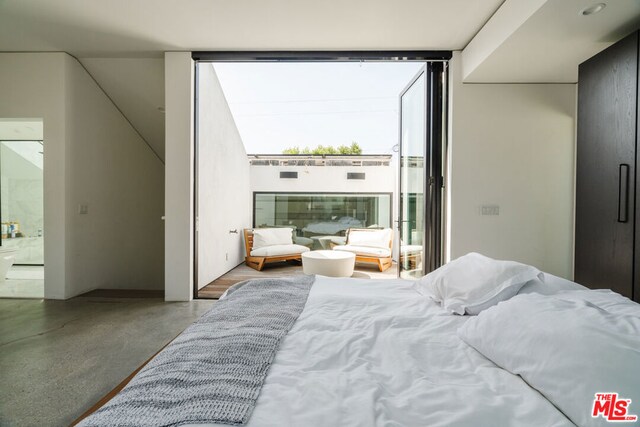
[
  {"x": 513, "y": 145},
  {"x": 118, "y": 244},
  {"x": 224, "y": 192}
]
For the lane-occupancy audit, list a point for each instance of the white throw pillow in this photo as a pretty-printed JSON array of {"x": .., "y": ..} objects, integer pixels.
[
  {"x": 568, "y": 346},
  {"x": 370, "y": 238},
  {"x": 278, "y": 250},
  {"x": 474, "y": 282},
  {"x": 263, "y": 237}
]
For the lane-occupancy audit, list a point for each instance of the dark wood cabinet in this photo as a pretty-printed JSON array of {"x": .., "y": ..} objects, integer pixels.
[{"x": 607, "y": 251}]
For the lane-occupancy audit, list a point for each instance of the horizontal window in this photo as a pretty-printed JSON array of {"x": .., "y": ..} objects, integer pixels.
[
  {"x": 322, "y": 214},
  {"x": 355, "y": 175},
  {"x": 289, "y": 175}
]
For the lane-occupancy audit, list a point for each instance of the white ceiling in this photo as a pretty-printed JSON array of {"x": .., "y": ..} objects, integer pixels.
[
  {"x": 549, "y": 40},
  {"x": 117, "y": 28},
  {"x": 121, "y": 42}
]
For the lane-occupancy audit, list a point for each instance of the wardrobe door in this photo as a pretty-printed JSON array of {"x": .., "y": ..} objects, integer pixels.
[{"x": 605, "y": 168}]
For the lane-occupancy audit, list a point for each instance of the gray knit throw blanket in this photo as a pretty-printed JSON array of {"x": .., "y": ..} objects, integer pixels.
[{"x": 214, "y": 370}]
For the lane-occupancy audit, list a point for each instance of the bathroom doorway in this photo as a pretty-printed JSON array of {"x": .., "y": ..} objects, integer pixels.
[{"x": 21, "y": 208}]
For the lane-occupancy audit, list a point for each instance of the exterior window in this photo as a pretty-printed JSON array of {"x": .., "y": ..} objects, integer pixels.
[{"x": 327, "y": 214}]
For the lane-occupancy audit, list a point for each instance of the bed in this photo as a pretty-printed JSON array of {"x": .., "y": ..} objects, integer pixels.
[{"x": 378, "y": 353}]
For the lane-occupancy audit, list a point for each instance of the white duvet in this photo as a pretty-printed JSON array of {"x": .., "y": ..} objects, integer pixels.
[
  {"x": 376, "y": 353},
  {"x": 569, "y": 346}
]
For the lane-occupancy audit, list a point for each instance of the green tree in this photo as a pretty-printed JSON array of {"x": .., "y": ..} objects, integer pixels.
[
  {"x": 291, "y": 150},
  {"x": 343, "y": 149},
  {"x": 354, "y": 148}
]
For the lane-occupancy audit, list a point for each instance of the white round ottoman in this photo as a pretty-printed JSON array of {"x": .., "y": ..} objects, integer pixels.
[{"x": 329, "y": 263}]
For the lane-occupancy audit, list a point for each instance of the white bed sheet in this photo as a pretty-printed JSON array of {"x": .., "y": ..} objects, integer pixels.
[{"x": 376, "y": 353}]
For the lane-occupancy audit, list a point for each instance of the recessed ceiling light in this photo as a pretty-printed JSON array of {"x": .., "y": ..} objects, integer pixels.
[{"x": 592, "y": 10}]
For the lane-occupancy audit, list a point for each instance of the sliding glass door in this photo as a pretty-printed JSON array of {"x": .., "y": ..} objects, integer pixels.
[
  {"x": 413, "y": 131},
  {"x": 421, "y": 158}
]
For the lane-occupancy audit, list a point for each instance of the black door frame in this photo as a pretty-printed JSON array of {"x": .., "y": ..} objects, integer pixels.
[
  {"x": 434, "y": 162},
  {"x": 436, "y": 70}
]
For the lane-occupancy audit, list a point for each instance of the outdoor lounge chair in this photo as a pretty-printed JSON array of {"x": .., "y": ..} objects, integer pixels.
[
  {"x": 369, "y": 245},
  {"x": 267, "y": 245}
]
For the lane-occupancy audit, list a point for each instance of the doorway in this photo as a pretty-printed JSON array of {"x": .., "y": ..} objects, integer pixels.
[
  {"x": 416, "y": 196},
  {"x": 21, "y": 208}
]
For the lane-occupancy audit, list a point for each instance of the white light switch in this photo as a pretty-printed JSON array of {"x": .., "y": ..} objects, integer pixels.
[
  {"x": 83, "y": 209},
  {"x": 490, "y": 210}
]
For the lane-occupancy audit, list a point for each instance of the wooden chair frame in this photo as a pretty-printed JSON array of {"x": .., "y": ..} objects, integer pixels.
[
  {"x": 383, "y": 262},
  {"x": 258, "y": 262}
]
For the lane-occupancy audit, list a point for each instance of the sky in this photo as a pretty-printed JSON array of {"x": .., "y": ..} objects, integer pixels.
[{"x": 278, "y": 105}]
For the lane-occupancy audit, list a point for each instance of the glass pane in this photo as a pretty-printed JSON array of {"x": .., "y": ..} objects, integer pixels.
[
  {"x": 314, "y": 216},
  {"x": 412, "y": 214},
  {"x": 22, "y": 209}
]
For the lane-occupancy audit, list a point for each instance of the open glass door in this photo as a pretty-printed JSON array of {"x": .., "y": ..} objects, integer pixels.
[{"x": 413, "y": 145}]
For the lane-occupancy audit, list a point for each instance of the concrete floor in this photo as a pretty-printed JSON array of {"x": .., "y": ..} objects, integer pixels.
[{"x": 58, "y": 358}]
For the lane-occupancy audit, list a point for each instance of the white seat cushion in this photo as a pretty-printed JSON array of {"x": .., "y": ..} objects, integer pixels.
[
  {"x": 411, "y": 249},
  {"x": 370, "y": 238},
  {"x": 365, "y": 250},
  {"x": 278, "y": 250},
  {"x": 263, "y": 237}
]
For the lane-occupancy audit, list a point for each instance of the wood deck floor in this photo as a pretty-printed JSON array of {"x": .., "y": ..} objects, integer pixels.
[{"x": 216, "y": 288}]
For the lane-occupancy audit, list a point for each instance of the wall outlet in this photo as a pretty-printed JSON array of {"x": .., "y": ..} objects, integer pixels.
[
  {"x": 83, "y": 209},
  {"x": 490, "y": 210}
]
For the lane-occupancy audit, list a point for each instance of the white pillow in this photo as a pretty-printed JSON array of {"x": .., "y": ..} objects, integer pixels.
[
  {"x": 550, "y": 285},
  {"x": 474, "y": 282},
  {"x": 370, "y": 238},
  {"x": 568, "y": 346},
  {"x": 263, "y": 237}
]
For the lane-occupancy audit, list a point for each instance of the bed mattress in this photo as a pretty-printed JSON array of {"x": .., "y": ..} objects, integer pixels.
[{"x": 376, "y": 353}]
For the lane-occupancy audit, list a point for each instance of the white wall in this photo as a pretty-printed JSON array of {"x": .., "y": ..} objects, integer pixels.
[
  {"x": 33, "y": 85},
  {"x": 91, "y": 156},
  {"x": 224, "y": 193},
  {"x": 330, "y": 179},
  {"x": 179, "y": 79},
  {"x": 379, "y": 179},
  {"x": 118, "y": 244},
  {"x": 513, "y": 145}
]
